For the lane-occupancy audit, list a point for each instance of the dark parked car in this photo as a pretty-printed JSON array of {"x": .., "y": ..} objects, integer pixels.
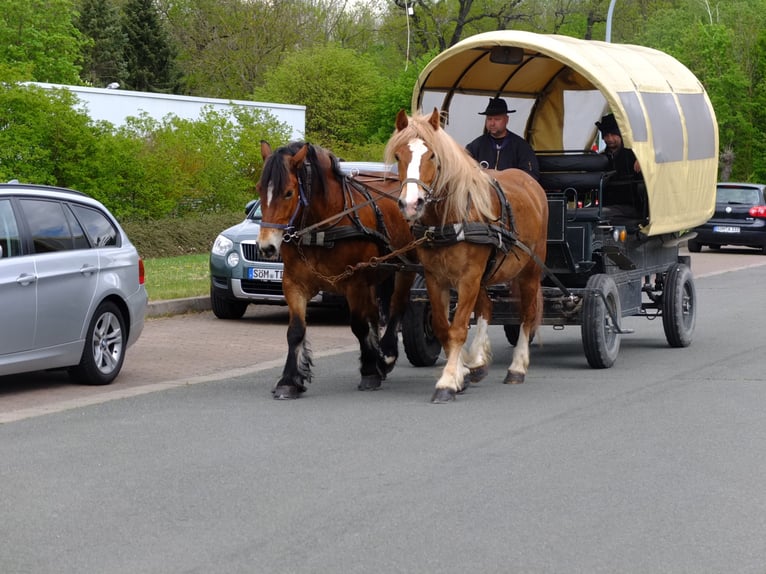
[
  {"x": 72, "y": 289},
  {"x": 739, "y": 218},
  {"x": 240, "y": 275}
]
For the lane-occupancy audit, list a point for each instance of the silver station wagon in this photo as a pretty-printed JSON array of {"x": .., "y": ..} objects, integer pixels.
[{"x": 72, "y": 289}]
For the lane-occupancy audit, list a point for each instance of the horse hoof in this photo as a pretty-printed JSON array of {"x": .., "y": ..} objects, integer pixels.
[
  {"x": 477, "y": 374},
  {"x": 369, "y": 383},
  {"x": 513, "y": 378},
  {"x": 442, "y": 396},
  {"x": 285, "y": 392}
]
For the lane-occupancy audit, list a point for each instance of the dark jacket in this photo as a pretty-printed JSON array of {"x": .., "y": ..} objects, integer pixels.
[
  {"x": 623, "y": 163},
  {"x": 511, "y": 151}
]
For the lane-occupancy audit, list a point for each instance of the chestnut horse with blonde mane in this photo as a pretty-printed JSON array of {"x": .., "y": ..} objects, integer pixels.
[
  {"x": 482, "y": 228},
  {"x": 329, "y": 228}
]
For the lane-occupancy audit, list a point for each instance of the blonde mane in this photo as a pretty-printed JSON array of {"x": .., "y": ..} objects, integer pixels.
[{"x": 460, "y": 181}]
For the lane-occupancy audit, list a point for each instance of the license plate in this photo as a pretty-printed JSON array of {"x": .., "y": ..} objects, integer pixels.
[
  {"x": 725, "y": 229},
  {"x": 259, "y": 274}
]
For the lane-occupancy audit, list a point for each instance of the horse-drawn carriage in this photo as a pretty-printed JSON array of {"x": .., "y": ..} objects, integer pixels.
[
  {"x": 612, "y": 245},
  {"x": 579, "y": 248}
]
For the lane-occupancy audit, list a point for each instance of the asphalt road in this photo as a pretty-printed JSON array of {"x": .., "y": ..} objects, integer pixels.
[
  {"x": 195, "y": 347},
  {"x": 655, "y": 465}
]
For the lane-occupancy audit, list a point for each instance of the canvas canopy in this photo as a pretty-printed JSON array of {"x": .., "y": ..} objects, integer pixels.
[{"x": 560, "y": 86}]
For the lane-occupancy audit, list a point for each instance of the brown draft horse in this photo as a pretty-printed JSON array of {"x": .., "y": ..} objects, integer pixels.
[
  {"x": 483, "y": 227},
  {"x": 325, "y": 224}
]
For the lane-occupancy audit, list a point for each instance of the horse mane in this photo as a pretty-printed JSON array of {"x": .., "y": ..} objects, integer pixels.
[
  {"x": 460, "y": 182},
  {"x": 275, "y": 171}
]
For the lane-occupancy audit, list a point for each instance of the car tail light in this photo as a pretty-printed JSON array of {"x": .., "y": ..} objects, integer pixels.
[
  {"x": 141, "y": 273},
  {"x": 758, "y": 211}
]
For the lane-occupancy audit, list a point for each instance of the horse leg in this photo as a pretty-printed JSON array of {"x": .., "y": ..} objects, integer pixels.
[
  {"x": 452, "y": 336},
  {"x": 297, "y": 370},
  {"x": 400, "y": 298},
  {"x": 364, "y": 324},
  {"x": 479, "y": 354},
  {"x": 530, "y": 301}
]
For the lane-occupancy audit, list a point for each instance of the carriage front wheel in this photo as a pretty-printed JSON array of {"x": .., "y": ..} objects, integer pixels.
[
  {"x": 679, "y": 305},
  {"x": 601, "y": 307},
  {"x": 420, "y": 343}
]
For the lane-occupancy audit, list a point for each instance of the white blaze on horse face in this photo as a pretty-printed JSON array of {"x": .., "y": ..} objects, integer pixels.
[
  {"x": 412, "y": 189},
  {"x": 269, "y": 193}
]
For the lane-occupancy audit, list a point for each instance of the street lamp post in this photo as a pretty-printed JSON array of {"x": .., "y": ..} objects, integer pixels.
[{"x": 609, "y": 20}]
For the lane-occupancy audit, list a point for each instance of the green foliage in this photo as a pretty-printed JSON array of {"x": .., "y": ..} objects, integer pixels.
[
  {"x": 397, "y": 95},
  {"x": 144, "y": 170},
  {"x": 39, "y": 37},
  {"x": 339, "y": 88},
  {"x": 175, "y": 236},
  {"x": 104, "y": 56},
  {"x": 148, "y": 53},
  {"x": 44, "y": 138}
]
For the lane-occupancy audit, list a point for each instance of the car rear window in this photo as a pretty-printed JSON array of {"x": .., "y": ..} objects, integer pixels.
[
  {"x": 739, "y": 195},
  {"x": 99, "y": 228}
]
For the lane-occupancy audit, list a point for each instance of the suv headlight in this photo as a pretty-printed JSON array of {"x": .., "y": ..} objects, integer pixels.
[{"x": 222, "y": 245}]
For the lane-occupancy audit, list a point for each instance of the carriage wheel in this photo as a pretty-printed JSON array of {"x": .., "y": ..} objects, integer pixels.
[
  {"x": 679, "y": 306},
  {"x": 420, "y": 344},
  {"x": 600, "y": 339},
  {"x": 512, "y": 334}
]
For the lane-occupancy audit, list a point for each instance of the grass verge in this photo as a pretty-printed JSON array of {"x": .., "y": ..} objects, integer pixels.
[{"x": 177, "y": 277}]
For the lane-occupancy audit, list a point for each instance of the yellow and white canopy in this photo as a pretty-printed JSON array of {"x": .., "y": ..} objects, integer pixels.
[{"x": 561, "y": 86}]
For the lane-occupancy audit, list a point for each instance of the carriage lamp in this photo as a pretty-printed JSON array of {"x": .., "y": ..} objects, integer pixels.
[
  {"x": 619, "y": 234},
  {"x": 233, "y": 259}
]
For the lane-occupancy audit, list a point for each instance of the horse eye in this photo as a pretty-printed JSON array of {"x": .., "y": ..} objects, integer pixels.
[
  {"x": 396, "y": 157},
  {"x": 289, "y": 193}
]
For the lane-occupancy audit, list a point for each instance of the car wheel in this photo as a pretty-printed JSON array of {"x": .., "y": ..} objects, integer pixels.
[
  {"x": 226, "y": 308},
  {"x": 600, "y": 338},
  {"x": 104, "y": 350},
  {"x": 694, "y": 246},
  {"x": 679, "y": 306}
]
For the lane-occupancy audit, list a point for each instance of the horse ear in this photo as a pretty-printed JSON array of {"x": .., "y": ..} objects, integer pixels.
[
  {"x": 265, "y": 149},
  {"x": 435, "y": 120},
  {"x": 401, "y": 120},
  {"x": 298, "y": 158}
]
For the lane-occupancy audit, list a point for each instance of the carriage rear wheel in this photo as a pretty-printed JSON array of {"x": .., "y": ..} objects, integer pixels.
[
  {"x": 600, "y": 336},
  {"x": 420, "y": 343},
  {"x": 679, "y": 305}
]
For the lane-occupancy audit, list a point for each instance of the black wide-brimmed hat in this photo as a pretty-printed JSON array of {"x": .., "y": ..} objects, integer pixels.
[
  {"x": 608, "y": 125},
  {"x": 496, "y": 107}
]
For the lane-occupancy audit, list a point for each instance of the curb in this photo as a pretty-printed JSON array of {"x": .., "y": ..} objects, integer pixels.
[{"x": 177, "y": 306}]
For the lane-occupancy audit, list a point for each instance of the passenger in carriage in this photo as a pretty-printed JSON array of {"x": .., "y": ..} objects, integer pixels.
[
  {"x": 498, "y": 148},
  {"x": 624, "y": 195},
  {"x": 621, "y": 159}
]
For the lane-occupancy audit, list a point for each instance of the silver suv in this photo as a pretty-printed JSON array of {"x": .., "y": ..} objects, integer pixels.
[
  {"x": 72, "y": 289},
  {"x": 239, "y": 275}
]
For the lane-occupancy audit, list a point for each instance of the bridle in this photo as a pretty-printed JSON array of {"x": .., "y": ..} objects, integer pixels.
[
  {"x": 303, "y": 200},
  {"x": 430, "y": 190}
]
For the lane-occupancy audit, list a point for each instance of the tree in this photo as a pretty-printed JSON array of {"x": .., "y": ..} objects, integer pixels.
[
  {"x": 104, "y": 57},
  {"x": 338, "y": 86},
  {"x": 148, "y": 53},
  {"x": 39, "y": 38}
]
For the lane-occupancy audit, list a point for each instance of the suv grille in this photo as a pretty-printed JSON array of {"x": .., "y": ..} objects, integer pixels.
[{"x": 250, "y": 252}]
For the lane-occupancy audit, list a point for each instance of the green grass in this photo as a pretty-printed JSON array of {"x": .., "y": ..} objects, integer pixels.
[{"x": 177, "y": 277}]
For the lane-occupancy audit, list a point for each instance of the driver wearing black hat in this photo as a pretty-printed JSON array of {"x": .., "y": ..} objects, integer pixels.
[{"x": 498, "y": 148}]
